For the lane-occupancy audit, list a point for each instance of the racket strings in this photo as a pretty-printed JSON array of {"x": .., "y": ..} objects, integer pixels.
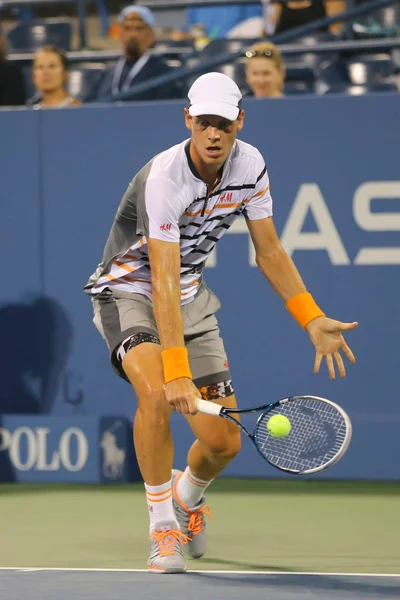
[{"x": 318, "y": 434}]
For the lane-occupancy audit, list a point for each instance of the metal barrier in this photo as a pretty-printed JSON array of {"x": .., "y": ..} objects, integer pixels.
[{"x": 375, "y": 45}]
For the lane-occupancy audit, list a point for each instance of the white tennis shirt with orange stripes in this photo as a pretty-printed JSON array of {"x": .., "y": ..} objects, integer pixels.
[{"x": 168, "y": 200}]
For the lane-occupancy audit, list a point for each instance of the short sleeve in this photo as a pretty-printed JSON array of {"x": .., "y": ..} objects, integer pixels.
[
  {"x": 164, "y": 208},
  {"x": 260, "y": 203}
]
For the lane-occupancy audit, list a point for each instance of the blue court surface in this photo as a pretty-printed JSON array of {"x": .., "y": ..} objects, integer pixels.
[{"x": 92, "y": 584}]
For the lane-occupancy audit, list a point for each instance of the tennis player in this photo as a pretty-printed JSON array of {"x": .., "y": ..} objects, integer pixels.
[{"x": 157, "y": 315}]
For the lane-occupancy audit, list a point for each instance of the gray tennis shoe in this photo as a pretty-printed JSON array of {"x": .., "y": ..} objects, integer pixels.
[
  {"x": 166, "y": 548},
  {"x": 191, "y": 520}
]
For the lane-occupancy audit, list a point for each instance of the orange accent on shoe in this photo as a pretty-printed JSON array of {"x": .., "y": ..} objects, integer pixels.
[
  {"x": 167, "y": 540},
  {"x": 195, "y": 521}
]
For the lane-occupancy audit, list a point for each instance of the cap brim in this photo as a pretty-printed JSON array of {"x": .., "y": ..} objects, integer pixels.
[{"x": 220, "y": 109}]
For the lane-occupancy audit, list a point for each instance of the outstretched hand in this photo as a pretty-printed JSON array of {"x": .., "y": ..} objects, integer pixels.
[{"x": 326, "y": 335}]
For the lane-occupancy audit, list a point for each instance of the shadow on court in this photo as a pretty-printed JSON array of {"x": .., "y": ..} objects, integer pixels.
[{"x": 379, "y": 587}]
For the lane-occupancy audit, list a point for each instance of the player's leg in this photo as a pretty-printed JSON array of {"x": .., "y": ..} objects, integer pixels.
[
  {"x": 137, "y": 358},
  {"x": 218, "y": 441},
  {"x": 142, "y": 365}
]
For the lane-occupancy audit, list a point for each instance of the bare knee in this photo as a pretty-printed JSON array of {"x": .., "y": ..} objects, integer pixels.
[
  {"x": 153, "y": 408},
  {"x": 225, "y": 446}
]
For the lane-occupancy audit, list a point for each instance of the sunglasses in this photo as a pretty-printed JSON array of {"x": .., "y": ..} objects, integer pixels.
[{"x": 252, "y": 53}]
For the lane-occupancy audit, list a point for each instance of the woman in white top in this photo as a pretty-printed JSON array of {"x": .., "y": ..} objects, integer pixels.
[{"x": 50, "y": 75}]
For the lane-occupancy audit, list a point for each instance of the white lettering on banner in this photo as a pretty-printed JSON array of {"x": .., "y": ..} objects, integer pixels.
[
  {"x": 65, "y": 449},
  {"x": 383, "y": 221},
  {"x": 15, "y": 446},
  {"x": 36, "y": 449},
  {"x": 327, "y": 237},
  {"x": 309, "y": 197},
  {"x": 5, "y": 439},
  {"x": 42, "y": 465}
]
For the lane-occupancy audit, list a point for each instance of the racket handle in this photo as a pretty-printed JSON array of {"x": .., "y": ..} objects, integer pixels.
[{"x": 209, "y": 408}]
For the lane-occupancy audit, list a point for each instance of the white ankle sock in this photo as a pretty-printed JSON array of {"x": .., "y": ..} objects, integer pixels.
[
  {"x": 159, "y": 502},
  {"x": 190, "y": 489}
]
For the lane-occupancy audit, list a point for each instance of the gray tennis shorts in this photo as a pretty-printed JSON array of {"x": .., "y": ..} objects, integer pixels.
[{"x": 117, "y": 315}]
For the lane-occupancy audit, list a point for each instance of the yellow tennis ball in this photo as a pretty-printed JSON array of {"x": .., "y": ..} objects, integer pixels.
[{"x": 279, "y": 426}]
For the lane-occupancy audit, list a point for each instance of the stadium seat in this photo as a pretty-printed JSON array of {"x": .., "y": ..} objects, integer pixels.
[
  {"x": 28, "y": 37},
  {"x": 81, "y": 80},
  {"x": 364, "y": 70},
  {"x": 369, "y": 68},
  {"x": 313, "y": 59},
  {"x": 359, "y": 90}
]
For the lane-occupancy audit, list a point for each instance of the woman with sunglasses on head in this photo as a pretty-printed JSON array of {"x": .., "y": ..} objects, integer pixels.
[
  {"x": 50, "y": 76},
  {"x": 265, "y": 71}
]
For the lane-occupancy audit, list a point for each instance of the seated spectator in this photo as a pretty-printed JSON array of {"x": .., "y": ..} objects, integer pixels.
[
  {"x": 12, "y": 89},
  {"x": 219, "y": 20},
  {"x": 287, "y": 15},
  {"x": 50, "y": 76},
  {"x": 137, "y": 64},
  {"x": 265, "y": 71}
]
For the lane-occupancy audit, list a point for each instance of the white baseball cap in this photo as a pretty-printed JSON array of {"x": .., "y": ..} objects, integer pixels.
[{"x": 215, "y": 94}]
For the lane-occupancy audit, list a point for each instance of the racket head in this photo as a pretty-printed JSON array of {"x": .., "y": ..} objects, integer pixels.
[{"x": 320, "y": 435}]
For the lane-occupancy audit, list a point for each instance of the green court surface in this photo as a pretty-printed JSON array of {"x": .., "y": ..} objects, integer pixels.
[{"x": 313, "y": 526}]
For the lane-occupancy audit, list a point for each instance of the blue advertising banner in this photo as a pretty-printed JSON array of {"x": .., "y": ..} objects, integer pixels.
[
  {"x": 45, "y": 448},
  {"x": 335, "y": 180}
]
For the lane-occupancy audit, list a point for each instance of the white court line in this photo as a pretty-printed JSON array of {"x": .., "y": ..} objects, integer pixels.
[{"x": 94, "y": 570}]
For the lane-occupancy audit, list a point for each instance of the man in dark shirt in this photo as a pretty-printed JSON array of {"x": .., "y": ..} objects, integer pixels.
[
  {"x": 12, "y": 89},
  {"x": 137, "y": 64}
]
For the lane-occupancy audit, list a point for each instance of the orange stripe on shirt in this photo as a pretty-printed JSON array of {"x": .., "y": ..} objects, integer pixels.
[
  {"x": 121, "y": 264},
  {"x": 228, "y": 205},
  {"x": 133, "y": 279},
  {"x": 192, "y": 284},
  {"x": 261, "y": 193}
]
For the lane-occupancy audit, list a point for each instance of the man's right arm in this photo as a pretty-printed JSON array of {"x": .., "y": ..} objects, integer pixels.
[
  {"x": 165, "y": 260},
  {"x": 159, "y": 222}
]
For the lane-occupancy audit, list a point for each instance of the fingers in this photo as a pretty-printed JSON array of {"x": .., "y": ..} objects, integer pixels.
[
  {"x": 340, "y": 364},
  {"x": 348, "y": 352},
  {"x": 330, "y": 365},
  {"x": 182, "y": 396},
  {"x": 348, "y": 326},
  {"x": 317, "y": 362}
]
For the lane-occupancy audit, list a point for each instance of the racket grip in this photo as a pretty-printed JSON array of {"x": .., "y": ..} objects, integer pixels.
[{"x": 209, "y": 408}]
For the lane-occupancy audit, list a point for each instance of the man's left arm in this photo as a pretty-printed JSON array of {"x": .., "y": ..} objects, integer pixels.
[{"x": 281, "y": 272}]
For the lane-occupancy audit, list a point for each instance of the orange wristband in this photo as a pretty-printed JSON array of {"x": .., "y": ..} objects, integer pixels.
[
  {"x": 304, "y": 309},
  {"x": 176, "y": 364}
]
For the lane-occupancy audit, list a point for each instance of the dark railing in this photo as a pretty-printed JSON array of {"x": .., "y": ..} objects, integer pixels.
[{"x": 376, "y": 45}]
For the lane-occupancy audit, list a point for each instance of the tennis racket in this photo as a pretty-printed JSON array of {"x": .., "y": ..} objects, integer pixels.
[{"x": 320, "y": 433}]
